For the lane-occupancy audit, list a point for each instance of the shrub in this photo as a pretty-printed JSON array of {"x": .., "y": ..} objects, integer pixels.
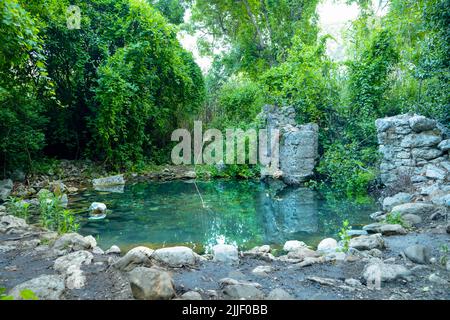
[
  {"x": 18, "y": 208},
  {"x": 54, "y": 216},
  {"x": 347, "y": 169}
]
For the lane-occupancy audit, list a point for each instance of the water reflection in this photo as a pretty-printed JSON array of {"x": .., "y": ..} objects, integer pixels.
[{"x": 242, "y": 213}]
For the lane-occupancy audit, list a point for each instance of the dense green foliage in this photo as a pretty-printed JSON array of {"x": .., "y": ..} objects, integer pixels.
[
  {"x": 22, "y": 80},
  {"x": 113, "y": 90},
  {"x": 121, "y": 81},
  {"x": 394, "y": 63}
]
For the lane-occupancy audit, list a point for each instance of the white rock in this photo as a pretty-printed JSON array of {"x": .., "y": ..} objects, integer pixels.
[
  {"x": 113, "y": 250},
  {"x": 45, "y": 287},
  {"x": 375, "y": 271},
  {"x": 11, "y": 224},
  {"x": 71, "y": 241},
  {"x": 97, "y": 208},
  {"x": 385, "y": 229},
  {"x": 225, "y": 253},
  {"x": 327, "y": 245},
  {"x": 151, "y": 284},
  {"x": 76, "y": 258},
  {"x": 139, "y": 256},
  {"x": 98, "y": 251},
  {"x": 91, "y": 240},
  {"x": 262, "y": 270},
  {"x": 292, "y": 245},
  {"x": 374, "y": 241},
  {"x": 175, "y": 256},
  {"x": 75, "y": 278}
]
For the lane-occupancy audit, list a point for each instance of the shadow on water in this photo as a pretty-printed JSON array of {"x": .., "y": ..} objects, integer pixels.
[{"x": 243, "y": 213}]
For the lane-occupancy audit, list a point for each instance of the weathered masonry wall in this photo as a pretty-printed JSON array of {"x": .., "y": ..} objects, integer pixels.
[
  {"x": 416, "y": 147},
  {"x": 298, "y": 143}
]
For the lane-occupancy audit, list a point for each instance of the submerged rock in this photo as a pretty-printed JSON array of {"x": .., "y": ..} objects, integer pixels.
[
  {"x": 45, "y": 287},
  {"x": 109, "y": 181},
  {"x": 97, "y": 208},
  {"x": 151, "y": 284}
]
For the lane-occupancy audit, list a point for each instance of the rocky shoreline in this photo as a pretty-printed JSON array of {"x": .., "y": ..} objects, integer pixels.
[{"x": 74, "y": 267}]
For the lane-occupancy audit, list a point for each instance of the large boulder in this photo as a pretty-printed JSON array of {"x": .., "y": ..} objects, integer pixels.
[
  {"x": 417, "y": 208},
  {"x": 385, "y": 229},
  {"x": 242, "y": 292},
  {"x": 45, "y": 287},
  {"x": 5, "y": 189},
  {"x": 72, "y": 242},
  {"x": 381, "y": 272},
  {"x": 77, "y": 258},
  {"x": 292, "y": 245},
  {"x": 418, "y": 254},
  {"x": 10, "y": 224},
  {"x": 374, "y": 241},
  {"x": 139, "y": 256},
  {"x": 327, "y": 245},
  {"x": 302, "y": 253},
  {"x": 411, "y": 219},
  {"x": 395, "y": 200},
  {"x": 176, "y": 256},
  {"x": 225, "y": 253},
  {"x": 151, "y": 284}
]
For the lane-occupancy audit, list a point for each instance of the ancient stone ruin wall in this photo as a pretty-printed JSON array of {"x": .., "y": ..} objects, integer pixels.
[
  {"x": 298, "y": 143},
  {"x": 414, "y": 148}
]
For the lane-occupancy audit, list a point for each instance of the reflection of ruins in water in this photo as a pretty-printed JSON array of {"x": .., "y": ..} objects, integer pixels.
[{"x": 288, "y": 212}]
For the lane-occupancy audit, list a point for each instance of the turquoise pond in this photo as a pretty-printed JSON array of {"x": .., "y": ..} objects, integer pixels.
[{"x": 242, "y": 213}]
